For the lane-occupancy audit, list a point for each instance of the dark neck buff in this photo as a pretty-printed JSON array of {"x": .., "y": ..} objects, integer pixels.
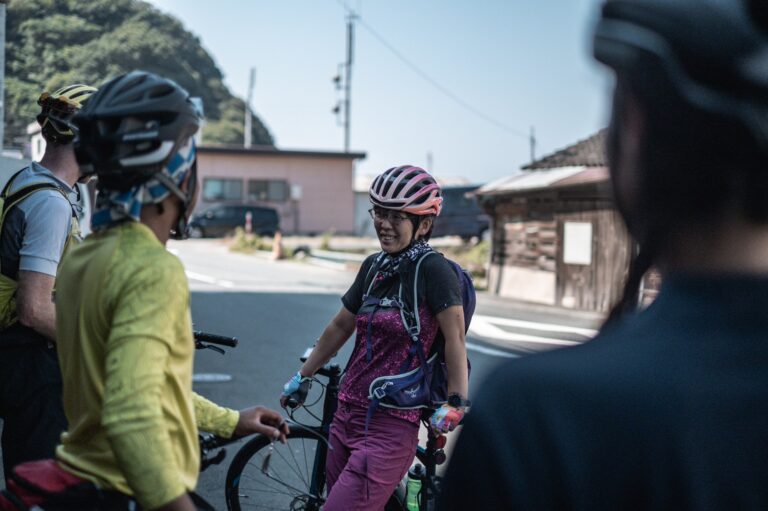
[{"x": 391, "y": 263}]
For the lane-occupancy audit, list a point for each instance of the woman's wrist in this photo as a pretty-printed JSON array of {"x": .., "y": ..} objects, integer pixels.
[{"x": 456, "y": 400}]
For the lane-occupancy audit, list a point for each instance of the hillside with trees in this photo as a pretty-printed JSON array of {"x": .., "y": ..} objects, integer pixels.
[{"x": 51, "y": 43}]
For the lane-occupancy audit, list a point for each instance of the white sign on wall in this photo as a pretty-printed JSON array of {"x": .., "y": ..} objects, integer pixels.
[{"x": 577, "y": 243}]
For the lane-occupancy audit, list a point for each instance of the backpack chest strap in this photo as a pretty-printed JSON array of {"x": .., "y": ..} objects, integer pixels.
[{"x": 375, "y": 304}]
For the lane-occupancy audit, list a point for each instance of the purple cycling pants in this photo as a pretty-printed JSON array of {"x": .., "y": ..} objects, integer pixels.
[{"x": 364, "y": 472}]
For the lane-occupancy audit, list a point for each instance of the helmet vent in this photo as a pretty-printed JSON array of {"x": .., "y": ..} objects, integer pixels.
[{"x": 159, "y": 92}]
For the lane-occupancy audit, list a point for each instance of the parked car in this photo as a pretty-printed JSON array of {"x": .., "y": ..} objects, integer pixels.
[
  {"x": 461, "y": 215},
  {"x": 222, "y": 219}
]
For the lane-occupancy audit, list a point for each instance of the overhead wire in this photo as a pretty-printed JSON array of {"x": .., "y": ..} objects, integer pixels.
[{"x": 413, "y": 67}]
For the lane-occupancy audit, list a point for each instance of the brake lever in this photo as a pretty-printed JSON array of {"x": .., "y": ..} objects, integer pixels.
[{"x": 202, "y": 346}]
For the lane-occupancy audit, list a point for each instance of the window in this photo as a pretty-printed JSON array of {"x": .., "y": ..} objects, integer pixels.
[
  {"x": 222, "y": 189},
  {"x": 268, "y": 190}
]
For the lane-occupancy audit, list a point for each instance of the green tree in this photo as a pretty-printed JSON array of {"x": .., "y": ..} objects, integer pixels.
[{"x": 52, "y": 43}]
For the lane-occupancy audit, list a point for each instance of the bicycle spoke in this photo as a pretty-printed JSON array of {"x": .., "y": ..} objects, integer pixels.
[
  {"x": 297, "y": 470},
  {"x": 286, "y": 482}
]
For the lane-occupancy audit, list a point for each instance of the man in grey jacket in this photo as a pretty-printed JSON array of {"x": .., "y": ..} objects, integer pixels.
[{"x": 38, "y": 224}]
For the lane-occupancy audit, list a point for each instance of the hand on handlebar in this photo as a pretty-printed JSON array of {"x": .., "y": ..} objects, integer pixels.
[
  {"x": 262, "y": 420},
  {"x": 445, "y": 419},
  {"x": 295, "y": 391}
]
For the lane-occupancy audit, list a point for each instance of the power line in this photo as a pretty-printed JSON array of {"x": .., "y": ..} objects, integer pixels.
[{"x": 413, "y": 67}]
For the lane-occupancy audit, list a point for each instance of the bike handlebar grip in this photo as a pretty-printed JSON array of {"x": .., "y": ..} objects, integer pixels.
[
  {"x": 292, "y": 402},
  {"x": 216, "y": 339}
]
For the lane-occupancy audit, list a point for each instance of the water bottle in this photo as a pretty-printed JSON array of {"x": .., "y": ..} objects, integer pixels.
[{"x": 413, "y": 487}]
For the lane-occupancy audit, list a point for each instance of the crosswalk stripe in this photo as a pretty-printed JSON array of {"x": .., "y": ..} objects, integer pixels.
[
  {"x": 481, "y": 327},
  {"x": 533, "y": 325},
  {"x": 489, "y": 351}
]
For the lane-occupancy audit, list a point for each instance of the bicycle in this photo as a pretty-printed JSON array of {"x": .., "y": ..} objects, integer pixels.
[{"x": 268, "y": 475}]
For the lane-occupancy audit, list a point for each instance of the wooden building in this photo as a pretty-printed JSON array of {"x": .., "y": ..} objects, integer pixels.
[{"x": 557, "y": 238}]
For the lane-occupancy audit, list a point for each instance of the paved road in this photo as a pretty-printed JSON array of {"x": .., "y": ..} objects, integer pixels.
[{"x": 277, "y": 309}]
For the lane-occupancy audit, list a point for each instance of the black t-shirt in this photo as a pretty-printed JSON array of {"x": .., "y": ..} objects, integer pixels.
[
  {"x": 438, "y": 284},
  {"x": 667, "y": 410}
]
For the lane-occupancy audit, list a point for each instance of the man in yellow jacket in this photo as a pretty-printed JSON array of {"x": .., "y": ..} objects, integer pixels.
[{"x": 123, "y": 316}]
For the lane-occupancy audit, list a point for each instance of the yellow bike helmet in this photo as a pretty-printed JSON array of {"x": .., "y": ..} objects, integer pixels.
[{"x": 57, "y": 110}]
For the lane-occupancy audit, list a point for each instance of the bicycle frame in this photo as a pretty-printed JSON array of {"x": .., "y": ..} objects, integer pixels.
[
  {"x": 330, "y": 403},
  {"x": 430, "y": 455}
]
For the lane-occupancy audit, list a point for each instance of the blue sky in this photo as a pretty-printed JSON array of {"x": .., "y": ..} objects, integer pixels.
[{"x": 521, "y": 62}]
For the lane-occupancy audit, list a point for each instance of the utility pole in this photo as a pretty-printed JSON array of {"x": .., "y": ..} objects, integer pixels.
[
  {"x": 532, "y": 141},
  {"x": 429, "y": 162},
  {"x": 348, "y": 80},
  {"x": 2, "y": 73},
  {"x": 247, "y": 128}
]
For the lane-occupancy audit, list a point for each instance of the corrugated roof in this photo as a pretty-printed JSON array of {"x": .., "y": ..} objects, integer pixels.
[
  {"x": 529, "y": 180},
  {"x": 589, "y": 152}
]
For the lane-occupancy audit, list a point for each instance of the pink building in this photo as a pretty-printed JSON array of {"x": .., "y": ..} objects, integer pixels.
[{"x": 311, "y": 190}]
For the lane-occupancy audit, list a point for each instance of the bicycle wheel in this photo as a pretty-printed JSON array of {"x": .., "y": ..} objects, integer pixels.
[{"x": 286, "y": 482}]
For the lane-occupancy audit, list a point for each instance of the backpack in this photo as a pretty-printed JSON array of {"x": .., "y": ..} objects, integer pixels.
[
  {"x": 426, "y": 386},
  {"x": 8, "y": 286}
]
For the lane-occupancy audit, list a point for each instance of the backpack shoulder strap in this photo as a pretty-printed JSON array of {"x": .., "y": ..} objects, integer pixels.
[
  {"x": 373, "y": 269},
  {"x": 8, "y": 202},
  {"x": 23, "y": 193},
  {"x": 10, "y": 182},
  {"x": 412, "y": 321}
]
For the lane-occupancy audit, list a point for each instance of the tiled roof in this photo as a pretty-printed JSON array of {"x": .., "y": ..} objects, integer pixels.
[{"x": 586, "y": 153}]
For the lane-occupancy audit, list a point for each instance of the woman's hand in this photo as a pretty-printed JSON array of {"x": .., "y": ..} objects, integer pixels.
[
  {"x": 296, "y": 388},
  {"x": 445, "y": 419},
  {"x": 262, "y": 420}
]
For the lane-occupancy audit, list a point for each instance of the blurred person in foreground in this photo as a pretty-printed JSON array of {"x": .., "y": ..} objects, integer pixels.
[{"x": 666, "y": 408}]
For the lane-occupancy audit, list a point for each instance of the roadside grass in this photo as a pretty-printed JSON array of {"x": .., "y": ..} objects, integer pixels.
[{"x": 248, "y": 243}]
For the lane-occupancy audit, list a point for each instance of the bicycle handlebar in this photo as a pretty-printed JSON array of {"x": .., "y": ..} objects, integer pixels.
[{"x": 216, "y": 339}]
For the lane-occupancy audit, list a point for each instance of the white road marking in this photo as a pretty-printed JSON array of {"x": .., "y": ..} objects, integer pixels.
[
  {"x": 481, "y": 326},
  {"x": 489, "y": 351},
  {"x": 211, "y": 377},
  {"x": 209, "y": 280},
  {"x": 547, "y": 327}
]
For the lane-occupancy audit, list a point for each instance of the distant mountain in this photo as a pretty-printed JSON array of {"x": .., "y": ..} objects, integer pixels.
[{"x": 51, "y": 43}]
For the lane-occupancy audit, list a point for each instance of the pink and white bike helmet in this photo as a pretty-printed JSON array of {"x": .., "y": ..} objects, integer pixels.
[{"x": 407, "y": 188}]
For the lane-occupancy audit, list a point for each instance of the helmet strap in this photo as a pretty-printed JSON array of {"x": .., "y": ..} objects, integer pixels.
[{"x": 180, "y": 230}]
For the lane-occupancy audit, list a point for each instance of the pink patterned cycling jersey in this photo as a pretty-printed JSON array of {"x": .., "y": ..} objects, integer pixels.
[{"x": 390, "y": 343}]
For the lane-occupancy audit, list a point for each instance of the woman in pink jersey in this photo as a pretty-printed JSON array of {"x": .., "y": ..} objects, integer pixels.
[{"x": 364, "y": 467}]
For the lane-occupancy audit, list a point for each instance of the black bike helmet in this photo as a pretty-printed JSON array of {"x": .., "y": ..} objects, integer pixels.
[
  {"x": 129, "y": 129},
  {"x": 713, "y": 52}
]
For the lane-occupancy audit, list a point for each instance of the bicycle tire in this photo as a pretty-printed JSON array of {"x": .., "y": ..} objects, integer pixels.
[
  {"x": 285, "y": 487},
  {"x": 246, "y": 466}
]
